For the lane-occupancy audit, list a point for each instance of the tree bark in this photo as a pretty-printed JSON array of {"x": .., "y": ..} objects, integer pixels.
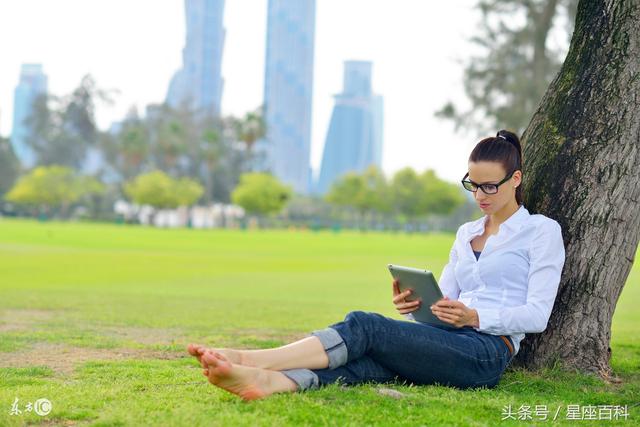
[{"x": 582, "y": 168}]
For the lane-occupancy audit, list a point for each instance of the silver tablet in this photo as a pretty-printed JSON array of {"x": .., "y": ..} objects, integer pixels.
[{"x": 424, "y": 287}]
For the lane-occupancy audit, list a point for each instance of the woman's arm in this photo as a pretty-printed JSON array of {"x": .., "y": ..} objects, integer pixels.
[
  {"x": 448, "y": 283},
  {"x": 547, "y": 257}
]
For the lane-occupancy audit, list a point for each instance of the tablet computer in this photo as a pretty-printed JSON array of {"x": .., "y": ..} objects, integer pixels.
[{"x": 424, "y": 287}]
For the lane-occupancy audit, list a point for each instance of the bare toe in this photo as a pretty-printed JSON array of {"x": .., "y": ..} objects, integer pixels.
[
  {"x": 216, "y": 364},
  {"x": 193, "y": 349}
]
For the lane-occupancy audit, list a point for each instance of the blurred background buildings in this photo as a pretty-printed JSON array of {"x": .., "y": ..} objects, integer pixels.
[{"x": 31, "y": 84}]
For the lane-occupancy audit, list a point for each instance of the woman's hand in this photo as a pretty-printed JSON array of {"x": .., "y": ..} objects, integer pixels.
[
  {"x": 403, "y": 306},
  {"x": 455, "y": 313}
]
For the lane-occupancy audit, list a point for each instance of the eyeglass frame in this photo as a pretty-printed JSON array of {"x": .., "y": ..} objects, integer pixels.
[{"x": 506, "y": 178}]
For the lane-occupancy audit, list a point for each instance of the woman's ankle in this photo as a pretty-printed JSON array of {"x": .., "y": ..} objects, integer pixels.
[
  {"x": 253, "y": 358},
  {"x": 280, "y": 383}
]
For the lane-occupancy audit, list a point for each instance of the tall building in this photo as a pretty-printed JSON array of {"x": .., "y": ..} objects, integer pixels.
[
  {"x": 354, "y": 139},
  {"x": 33, "y": 82},
  {"x": 198, "y": 84},
  {"x": 288, "y": 86}
]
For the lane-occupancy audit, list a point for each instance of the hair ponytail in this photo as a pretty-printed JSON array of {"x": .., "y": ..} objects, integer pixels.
[{"x": 512, "y": 138}]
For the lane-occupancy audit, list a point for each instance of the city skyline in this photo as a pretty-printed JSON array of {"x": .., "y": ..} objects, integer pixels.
[{"x": 413, "y": 87}]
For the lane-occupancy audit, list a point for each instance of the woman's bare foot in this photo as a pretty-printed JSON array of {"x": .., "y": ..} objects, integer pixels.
[
  {"x": 247, "y": 382},
  {"x": 234, "y": 356}
]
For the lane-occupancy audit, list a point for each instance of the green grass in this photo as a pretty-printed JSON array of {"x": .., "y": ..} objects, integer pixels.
[{"x": 96, "y": 317}]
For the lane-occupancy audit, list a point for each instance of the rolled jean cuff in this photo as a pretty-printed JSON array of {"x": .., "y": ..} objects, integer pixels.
[
  {"x": 304, "y": 378},
  {"x": 334, "y": 345}
]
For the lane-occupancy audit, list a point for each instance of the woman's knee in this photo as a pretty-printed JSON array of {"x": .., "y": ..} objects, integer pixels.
[
  {"x": 363, "y": 318},
  {"x": 358, "y": 316}
]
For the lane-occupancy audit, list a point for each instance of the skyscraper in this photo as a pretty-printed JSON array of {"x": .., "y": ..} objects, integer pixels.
[
  {"x": 33, "y": 82},
  {"x": 354, "y": 139},
  {"x": 288, "y": 86},
  {"x": 199, "y": 82}
]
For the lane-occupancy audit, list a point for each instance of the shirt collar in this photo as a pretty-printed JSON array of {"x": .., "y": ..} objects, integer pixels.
[{"x": 513, "y": 223}]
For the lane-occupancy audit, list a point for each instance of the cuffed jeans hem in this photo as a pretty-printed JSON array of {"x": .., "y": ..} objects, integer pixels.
[
  {"x": 305, "y": 378},
  {"x": 334, "y": 345}
]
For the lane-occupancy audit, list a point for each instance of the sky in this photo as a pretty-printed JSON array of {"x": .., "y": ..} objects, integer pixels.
[{"x": 135, "y": 47}]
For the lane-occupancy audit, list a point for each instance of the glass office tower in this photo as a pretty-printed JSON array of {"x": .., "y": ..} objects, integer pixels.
[
  {"x": 33, "y": 82},
  {"x": 288, "y": 90},
  {"x": 354, "y": 139},
  {"x": 198, "y": 84}
]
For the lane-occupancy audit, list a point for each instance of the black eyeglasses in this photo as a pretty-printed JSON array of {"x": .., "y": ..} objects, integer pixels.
[{"x": 486, "y": 188}]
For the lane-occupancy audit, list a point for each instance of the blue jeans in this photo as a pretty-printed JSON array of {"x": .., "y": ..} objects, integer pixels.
[{"x": 369, "y": 347}]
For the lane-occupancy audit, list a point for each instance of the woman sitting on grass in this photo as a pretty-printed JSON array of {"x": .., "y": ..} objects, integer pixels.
[{"x": 490, "y": 301}]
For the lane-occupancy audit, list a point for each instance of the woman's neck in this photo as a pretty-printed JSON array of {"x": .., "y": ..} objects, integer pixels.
[{"x": 502, "y": 215}]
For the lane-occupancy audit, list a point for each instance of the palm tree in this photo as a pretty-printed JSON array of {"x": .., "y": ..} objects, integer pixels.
[{"x": 251, "y": 128}]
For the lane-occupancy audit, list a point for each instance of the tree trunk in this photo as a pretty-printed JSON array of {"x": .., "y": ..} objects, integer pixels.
[{"x": 582, "y": 167}]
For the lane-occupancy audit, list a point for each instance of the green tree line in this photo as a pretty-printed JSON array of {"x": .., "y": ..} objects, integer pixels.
[{"x": 178, "y": 157}]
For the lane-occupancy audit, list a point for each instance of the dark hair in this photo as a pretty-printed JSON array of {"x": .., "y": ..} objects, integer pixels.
[{"x": 503, "y": 148}]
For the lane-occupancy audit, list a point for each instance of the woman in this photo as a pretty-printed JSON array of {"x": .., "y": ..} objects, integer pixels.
[{"x": 500, "y": 283}]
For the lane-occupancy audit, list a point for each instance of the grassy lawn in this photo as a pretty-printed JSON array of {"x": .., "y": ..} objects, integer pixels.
[{"x": 95, "y": 318}]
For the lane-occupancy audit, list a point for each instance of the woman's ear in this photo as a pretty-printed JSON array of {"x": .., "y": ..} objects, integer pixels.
[{"x": 517, "y": 177}]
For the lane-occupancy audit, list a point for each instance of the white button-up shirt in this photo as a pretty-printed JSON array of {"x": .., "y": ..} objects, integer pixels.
[{"x": 514, "y": 282}]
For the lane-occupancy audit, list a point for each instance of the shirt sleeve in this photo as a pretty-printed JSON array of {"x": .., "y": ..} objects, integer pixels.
[
  {"x": 546, "y": 256},
  {"x": 448, "y": 283}
]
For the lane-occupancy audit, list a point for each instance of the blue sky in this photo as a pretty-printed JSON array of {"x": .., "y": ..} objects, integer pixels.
[{"x": 135, "y": 46}]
